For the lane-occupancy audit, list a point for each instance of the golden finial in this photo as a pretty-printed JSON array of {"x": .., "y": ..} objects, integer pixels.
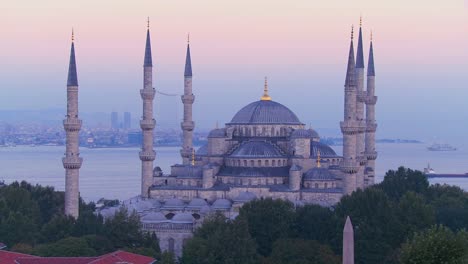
[
  {"x": 318, "y": 158},
  {"x": 147, "y": 25},
  {"x": 352, "y": 32},
  {"x": 265, "y": 96},
  {"x": 360, "y": 21},
  {"x": 188, "y": 38},
  {"x": 193, "y": 157},
  {"x": 371, "y": 35},
  {"x": 73, "y": 35}
]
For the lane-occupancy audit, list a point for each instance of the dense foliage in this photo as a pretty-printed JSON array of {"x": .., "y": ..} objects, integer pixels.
[
  {"x": 32, "y": 221},
  {"x": 393, "y": 221}
]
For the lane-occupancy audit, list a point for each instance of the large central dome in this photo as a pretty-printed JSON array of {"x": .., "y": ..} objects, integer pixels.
[{"x": 265, "y": 112}]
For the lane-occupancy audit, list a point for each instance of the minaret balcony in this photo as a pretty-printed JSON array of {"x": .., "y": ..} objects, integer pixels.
[
  {"x": 352, "y": 127},
  {"x": 362, "y": 160},
  {"x": 72, "y": 162},
  {"x": 371, "y": 155},
  {"x": 371, "y": 127},
  {"x": 72, "y": 124},
  {"x": 147, "y": 124},
  {"x": 188, "y": 99},
  {"x": 147, "y": 94},
  {"x": 187, "y": 125},
  {"x": 362, "y": 96},
  {"x": 349, "y": 166},
  {"x": 147, "y": 155},
  {"x": 371, "y": 100}
]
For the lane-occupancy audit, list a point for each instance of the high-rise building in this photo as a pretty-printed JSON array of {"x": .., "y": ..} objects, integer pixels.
[
  {"x": 127, "y": 123},
  {"x": 114, "y": 120}
]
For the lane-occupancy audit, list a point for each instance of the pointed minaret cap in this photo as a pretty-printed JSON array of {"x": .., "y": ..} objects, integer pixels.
[
  {"x": 350, "y": 73},
  {"x": 370, "y": 64},
  {"x": 72, "y": 76},
  {"x": 360, "y": 49},
  {"x": 188, "y": 60},
  {"x": 148, "y": 58},
  {"x": 265, "y": 96}
]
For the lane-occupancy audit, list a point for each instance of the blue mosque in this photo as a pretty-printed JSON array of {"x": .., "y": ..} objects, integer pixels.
[{"x": 264, "y": 151}]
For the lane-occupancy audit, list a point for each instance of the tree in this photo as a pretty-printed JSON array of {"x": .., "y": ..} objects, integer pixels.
[
  {"x": 396, "y": 183},
  {"x": 299, "y": 251},
  {"x": 415, "y": 214},
  {"x": 67, "y": 247},
  {"x": 59, "y": 227},
  {"x": 268, "y": 220},
  {"x": 436, "y": 245},
  {"x": 220, "y": 241},
  {"x": 451, "y": 206},
  {"x": 315, "y": 222}
]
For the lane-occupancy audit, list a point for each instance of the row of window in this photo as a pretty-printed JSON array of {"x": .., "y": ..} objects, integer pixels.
[{"x": 257, "y": 163}]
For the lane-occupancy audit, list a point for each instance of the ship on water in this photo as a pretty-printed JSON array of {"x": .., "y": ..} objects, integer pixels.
[
  {"x": 441, "y": 147},
  {"x": 431, "y": 173}
]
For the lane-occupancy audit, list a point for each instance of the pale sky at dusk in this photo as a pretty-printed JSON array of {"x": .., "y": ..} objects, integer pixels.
[{"x": 420, "y": 50}]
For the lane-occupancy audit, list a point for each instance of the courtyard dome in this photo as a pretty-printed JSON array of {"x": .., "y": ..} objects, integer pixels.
[
  {"x": 256, "y": 149},
  {"x": 196, "y": 203},
  {"x": 265, "y": 112},
  {"x": 217, "y": 133},
  {"x": 154, "y": 217},
  {"x": 319, "y": 174},
  {"x": 222, "y": 204},
  {"x": 182, "y": 218},
  {"x": 174, "y": 203}
]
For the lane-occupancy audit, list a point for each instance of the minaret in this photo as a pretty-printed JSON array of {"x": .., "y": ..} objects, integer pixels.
[
  {"x": 348, "y": 242},
  {"x": 147, "y": 124},
  {"x": 371, "y": 100},
  {"x": 350, "y": 127},
  {"x": 187, "y": 99},
  {"x": 72, "y": 125},
  {"x": 361, "y": 97}
]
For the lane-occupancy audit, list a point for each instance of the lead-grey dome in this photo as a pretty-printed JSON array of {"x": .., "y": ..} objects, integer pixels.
[
  {"x": 320, "y": 174},
  {"x": 196, "y": 203},
  {"x": 154, "y": 217},
  {"x": 182, "y": 218},
  {"x": 222, "y": 204},
  {"x": 257, "y": 149},
  {"x": 265, "y": 112},
  {"x": 174, "y": 203},
  {"x": 217, "y": 133},
  {"x": 325, "y": 150}
]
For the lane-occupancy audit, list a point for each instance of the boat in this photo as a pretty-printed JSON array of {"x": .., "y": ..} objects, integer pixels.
[
  {"x": 441, "y": 147},
  {"x": 430, "y": 173}
]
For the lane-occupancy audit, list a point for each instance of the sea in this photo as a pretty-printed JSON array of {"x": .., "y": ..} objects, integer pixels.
[{"x": 114, "y": 173}]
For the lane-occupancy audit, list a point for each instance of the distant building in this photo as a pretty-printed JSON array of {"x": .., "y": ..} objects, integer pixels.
[
  {"x": 127, "y": 124},
  {"x": 135, "y": 138},
  {"x": 114, "y": 120}
]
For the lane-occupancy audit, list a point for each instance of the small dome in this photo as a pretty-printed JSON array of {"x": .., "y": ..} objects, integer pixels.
[
  {"x": 222, "y": 204},
  {"x": 244, "y": 197},
  {"x": 257, "y": 149},
  {"x": 154, "y": 217},
  {"x": 203, "y": 150},
  {"x": 313, "y": 133},
  {"x": 265, "y": 112},
  {"x": 182, "y": 218},
  {"x": 301, "y": 133},
  {"x": 155, "y": 203},
  {"x": 197, "y": 203},
  {"x": 319, "y": 174},
  {"x": 205, "y": 209},
  {"x": 217, "y": 133},
  {"x": 174, "y": 203},
  {"x": 325, "y": 150}
]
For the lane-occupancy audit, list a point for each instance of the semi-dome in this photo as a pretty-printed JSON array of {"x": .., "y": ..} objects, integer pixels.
[
  {"x": 257, "y": 149},
  {"x": 265, "y": 112},
  {"x": 182, "y": 218},
  {"x": 217, "y": 133},
  {"x": 154, "y": 217},
  {"x": 319, "y": 174},
  {"x": 325, "y": 150},
  {"x": 222, "y": 204}
]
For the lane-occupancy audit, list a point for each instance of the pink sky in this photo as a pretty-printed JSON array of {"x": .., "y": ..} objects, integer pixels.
[{"x": 420, "y": 47}]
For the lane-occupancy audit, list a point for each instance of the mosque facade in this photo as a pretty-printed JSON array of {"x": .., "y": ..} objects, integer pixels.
[{"x": 264, "y": 151}]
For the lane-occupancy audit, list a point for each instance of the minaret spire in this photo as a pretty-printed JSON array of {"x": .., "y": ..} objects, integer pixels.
[
  {"x": 72, "y": 125},
  {"x": 370, "y": 64},
  {"x": 350, "y": 74},
  {"x": 265, "y": 96},
  {"x": 147, "y": 124},
  {"x": 188, "y": 98},
  {"x": 360, "y": 50}
]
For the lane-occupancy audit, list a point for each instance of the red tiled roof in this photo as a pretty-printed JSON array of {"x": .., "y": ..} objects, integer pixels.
[
  {"x": 8, "y": 257},
  {"x": 123, "y": 257},
  {"x": 55, "y": 260}
]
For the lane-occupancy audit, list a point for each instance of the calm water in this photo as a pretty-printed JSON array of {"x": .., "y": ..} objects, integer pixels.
[{"x": 115, "y": 172}]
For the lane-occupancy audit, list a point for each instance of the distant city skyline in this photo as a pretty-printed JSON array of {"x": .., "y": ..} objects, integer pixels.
[{"x": 420, "y": 50}]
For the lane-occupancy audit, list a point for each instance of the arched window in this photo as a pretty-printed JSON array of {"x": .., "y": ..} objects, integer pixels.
[
  {"x": 267, "y": 163},
  {"x": 273, "y": 163},
  {"x": 326, "y": 185},
  {"x": 252, "y": 163},
  {"x": 316, "y": 186},
  {"x": 259, "y": 162},
  {"x": 272, "y": 133},
  {"x": 169, "y": 216},
  {"x": 245, "y": 163},
  {"x": 170, "y": 246},
  {"x": 196, "y": 216}
]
